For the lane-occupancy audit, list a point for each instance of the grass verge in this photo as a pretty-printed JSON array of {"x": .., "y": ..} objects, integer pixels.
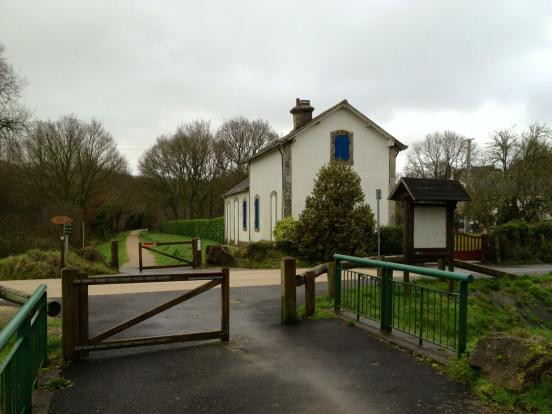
[
  {"x": 44, "y": 264},
  {"x": 104, "y": 247},
  {"x": 324, "y": 309},
  {"x": 184, "y": 251},
  {"x": 519, "y": 307}
]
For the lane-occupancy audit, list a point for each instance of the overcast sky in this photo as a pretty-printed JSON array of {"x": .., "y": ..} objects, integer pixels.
[{"x": 413, "y": 67}]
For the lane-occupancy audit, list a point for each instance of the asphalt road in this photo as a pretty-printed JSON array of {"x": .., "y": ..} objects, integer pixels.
[{"x": 313, "y": 367}]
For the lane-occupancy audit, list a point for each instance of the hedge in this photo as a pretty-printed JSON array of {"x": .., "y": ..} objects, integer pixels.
[
  {"x": 519, "y": 242},
  {"x": 391, "y": 240},
  {"x": 210, "y": 229}
]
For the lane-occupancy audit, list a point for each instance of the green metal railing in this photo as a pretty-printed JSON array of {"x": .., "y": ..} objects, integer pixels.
[
  {"x": 418, "y": 308},
  {"x": 22, "y": 353}
]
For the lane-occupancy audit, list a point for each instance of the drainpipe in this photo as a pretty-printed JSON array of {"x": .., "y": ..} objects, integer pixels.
[{"x": 283, "y": 189}]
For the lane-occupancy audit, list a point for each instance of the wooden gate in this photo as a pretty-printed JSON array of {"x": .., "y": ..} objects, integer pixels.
[
  {"x": 470, "y": 246},
  {"x": 196, "y": 253},
  {"x": 76, "y": 339}
]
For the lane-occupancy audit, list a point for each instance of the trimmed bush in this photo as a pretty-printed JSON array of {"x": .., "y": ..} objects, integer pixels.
[
  {"x": 519, "y": 242},
  {"x": 335, "y": 219},
  {"x": 285, "y": 229},
  {"x": 210, "y": 229},
  {"x": 391, "y": 240}
]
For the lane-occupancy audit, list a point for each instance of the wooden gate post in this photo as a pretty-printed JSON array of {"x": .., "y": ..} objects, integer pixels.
[
  {"x": 83, "y": 313},
  {"x": 225, "y": 319},
  {"x": 196, "y": 252},
  {"x": 71, "y": 314},
  {"x": 115, "y": 254},
  {"x": 310, "y": 295},
  {"x": 288, "y": 300}
]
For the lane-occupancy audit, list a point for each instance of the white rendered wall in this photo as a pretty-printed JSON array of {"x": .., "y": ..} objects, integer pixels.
[
  {"x": 265, "y": 177},
  {"x": 233, "y": 218},
  {"x": 311, "y": 150},
  {"x": 430, "y": 227}
]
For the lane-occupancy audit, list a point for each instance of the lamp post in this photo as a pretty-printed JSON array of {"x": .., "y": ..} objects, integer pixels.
[{"x": 468, "y": 168}]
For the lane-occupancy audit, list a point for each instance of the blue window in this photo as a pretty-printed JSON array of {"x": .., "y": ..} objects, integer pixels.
[
  {"x": 257, "y": 213},
  {"x": 342, "y": 147},
  {"x": 244, "y": 214}
]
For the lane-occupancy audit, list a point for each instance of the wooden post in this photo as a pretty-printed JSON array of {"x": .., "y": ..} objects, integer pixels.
[
  {"x": 288, "y": 300},
  {"x": 484, "y": 243},
  {"x": 451, "y": 269},
  {"x": 310, "y": 295},
  {"x": 331, "y": 281},
  {"x": 225, "y": 318},
  {"x": 71, "y": 314},
  {"x": 140, "y": 256},
  {"x": 115, "y": 254},
  {"x": 83, "y": 313}
]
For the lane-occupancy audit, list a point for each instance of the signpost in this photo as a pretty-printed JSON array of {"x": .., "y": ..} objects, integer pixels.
[{"x": 66, "y": 228}]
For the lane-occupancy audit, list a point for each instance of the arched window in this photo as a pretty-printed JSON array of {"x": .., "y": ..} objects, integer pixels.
[
  {"x": 244, "y": 214},
  {"x": 257, "y": 213}
]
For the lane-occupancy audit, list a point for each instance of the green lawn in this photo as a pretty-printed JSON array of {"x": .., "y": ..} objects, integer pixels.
[
  {"x": 105, "y": 247},
  {"x": 184, "y": 251}
]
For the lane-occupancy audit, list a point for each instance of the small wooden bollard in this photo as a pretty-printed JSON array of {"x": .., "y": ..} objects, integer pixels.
[
  {"x": 331, "y": 281},
  {"x": 70, "y": 315},
  {"x": 288, "y": 300},
  {"x": 115, "y": 254}
]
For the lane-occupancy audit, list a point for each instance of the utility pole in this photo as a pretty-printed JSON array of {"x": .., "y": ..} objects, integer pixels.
[{"x": 468, "y": 171}]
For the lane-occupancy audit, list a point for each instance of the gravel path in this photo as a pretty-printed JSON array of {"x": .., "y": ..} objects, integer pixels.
[{"x": 132, "y": 251}]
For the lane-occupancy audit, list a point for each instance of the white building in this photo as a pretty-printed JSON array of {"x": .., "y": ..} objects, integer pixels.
[{"x": 282, "y": 175}]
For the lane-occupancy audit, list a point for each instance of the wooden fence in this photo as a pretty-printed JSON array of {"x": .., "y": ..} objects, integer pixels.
[
  {"x": 470, "y": 246},
  {"x": 76, "y": 339}
]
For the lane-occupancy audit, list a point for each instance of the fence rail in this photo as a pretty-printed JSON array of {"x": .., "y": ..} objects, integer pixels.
[
  {"x": 470, "y": 246},
  {"x": 23, "y": 352},
  {"x": 427, "y": 311}
]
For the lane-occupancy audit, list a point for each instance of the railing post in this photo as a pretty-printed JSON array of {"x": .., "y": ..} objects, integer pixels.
[
  {"x": 463, "y": 318},
  {"x": 288, "y": 302},
  {"x": 140, "y": 256},
  {"x": 386, "y": 311},
  {"x": 337, "y": 283},
  {"x": 225, "y": 292},
  {"x": 331, "y": 281},
  {"x": 71, "y": 314},
  {"x": 115, "y": 254},
  {"x": 25, "y": 370},
  {"x": 310, "y": 295}
]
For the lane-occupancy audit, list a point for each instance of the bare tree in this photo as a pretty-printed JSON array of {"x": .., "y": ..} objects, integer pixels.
[
  {"x": 503, "y": 149},
  {"x": 14, "y": 117},
  {"x": 241, "y": 138},
  {"x": 441, "y": 155},
  {"x": 72, "y": 163}
]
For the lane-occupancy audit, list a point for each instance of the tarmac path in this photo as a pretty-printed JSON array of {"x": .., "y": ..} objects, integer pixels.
[{"x": 317, "y": 367}]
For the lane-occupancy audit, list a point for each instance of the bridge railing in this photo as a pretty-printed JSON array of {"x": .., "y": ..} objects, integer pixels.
[
  {"x": 425, "y": 310},
  {"x": 22, "y": 353}
]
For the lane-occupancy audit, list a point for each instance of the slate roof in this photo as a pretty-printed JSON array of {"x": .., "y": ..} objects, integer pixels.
[
  {"x": 427, "y": 189},
  {"x": 238, "y": 188},
  {"x": 317, "y": 118}
]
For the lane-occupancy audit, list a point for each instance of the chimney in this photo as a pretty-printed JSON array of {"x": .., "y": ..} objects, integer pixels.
[{"x": 302, "y": 113}]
